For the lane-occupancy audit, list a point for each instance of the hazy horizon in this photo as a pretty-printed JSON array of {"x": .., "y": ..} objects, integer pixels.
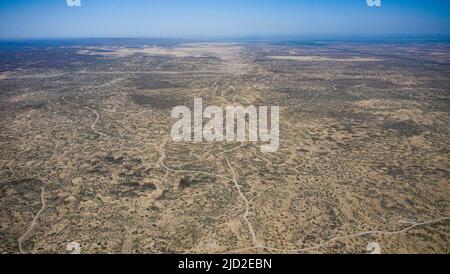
[{"x": 27, "y": 19}]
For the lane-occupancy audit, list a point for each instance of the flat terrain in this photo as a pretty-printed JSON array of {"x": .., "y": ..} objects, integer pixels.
[{"x": 86, "y": 154}]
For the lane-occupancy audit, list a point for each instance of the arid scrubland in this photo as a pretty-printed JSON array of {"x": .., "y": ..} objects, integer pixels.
[{"x": 363, "y": 157}]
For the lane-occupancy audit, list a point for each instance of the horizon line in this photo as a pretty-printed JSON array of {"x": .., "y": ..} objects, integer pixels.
[{"x": 271, "y": 37}]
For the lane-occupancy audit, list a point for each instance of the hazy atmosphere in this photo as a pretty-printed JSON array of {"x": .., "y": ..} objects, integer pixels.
[{"x": 191, "y": 18}]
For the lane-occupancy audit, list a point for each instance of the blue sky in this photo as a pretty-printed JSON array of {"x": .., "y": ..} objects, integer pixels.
[{"x": 221, "y": 18}]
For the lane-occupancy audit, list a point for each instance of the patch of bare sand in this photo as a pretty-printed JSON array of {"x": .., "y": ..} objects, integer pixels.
[
  {"x": 28, "y": 96},
  {"x": 398, "y": 111},
  {"x": 419, "y": 141},
  {"x": 3, "y": 76},
  {"x": 416, "y": 115},
  {"x": 219, "y": 50},
  {"x": 322, "y": 58},
  {"x": 372, "y": 103},
  {"x": 229, "y": 52}
]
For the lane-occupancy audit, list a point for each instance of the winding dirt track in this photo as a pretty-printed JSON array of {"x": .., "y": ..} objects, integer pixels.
[
  {"x": 33, "y": 223},
  {"x": 247, "y": 204},
  {"x": 94, "y": 125},
  {"x": 257, "y": 244},
  {"x": 334, "y": 239}
]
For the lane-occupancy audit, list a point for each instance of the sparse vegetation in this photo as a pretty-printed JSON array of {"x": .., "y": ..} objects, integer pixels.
[{"x": 364, "y": 145}]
